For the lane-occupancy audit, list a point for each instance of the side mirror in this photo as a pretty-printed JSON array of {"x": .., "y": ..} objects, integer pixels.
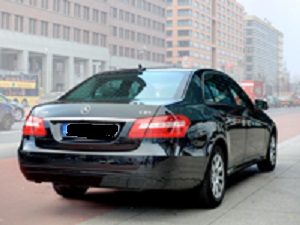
[{"x": 261, "y": 104}]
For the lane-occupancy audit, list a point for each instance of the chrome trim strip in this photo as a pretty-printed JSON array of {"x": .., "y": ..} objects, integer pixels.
[
  {"x": 97, "y": 153},
  {"x": 100, "y": 119}
]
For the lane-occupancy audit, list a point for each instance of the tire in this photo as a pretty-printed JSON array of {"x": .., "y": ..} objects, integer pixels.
[
  {"x": 19, "y": 114},
  {"x": 269, "y": 164},
  {"x": 7, "y": 122},
  {"x": 68, "y": 191},
  {"x": 211, "y": 191}
]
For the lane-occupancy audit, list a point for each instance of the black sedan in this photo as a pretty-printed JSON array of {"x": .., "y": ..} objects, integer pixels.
[{"x": 148, "y": 129}]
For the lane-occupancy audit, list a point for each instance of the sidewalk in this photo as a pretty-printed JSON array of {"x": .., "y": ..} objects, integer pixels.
[{"x": 251, "y": 198}]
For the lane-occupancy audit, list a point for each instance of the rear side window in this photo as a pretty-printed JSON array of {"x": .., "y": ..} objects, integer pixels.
[
  {"x": 129, "y": 86},
  {"x": 216, "y": 90}
]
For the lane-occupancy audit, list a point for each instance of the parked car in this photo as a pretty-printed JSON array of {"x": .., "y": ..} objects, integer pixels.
[
  {"x": 296, "y": 101},
  {"x": 148, "y": 129},
  {"x": 6, "y": 116},
  {"x": 286, "y": 100},
  {"x": 273, "y": 101},
  {"x": 19, "y": 110},
  {"x": 49, "y": 97}
]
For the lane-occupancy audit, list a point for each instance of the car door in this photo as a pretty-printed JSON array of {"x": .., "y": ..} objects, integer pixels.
[
  {"x": 252, "y": 121},
  {"x": 219, "y": 97},
  {"x": 257, "y": 134}
]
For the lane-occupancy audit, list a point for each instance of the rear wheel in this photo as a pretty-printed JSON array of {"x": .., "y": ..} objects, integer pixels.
[
  {"x": 211, "y": 191},
  {"x": 68, "y": 191},
  {"x": 7, "y": 122},
  {"x": 269, "y": 163}
]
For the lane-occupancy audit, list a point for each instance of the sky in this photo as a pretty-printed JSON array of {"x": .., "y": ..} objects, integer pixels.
[{"x": 285, "y": 16}]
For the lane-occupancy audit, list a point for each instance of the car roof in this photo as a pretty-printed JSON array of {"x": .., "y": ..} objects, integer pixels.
[{"x": 158, "y": 69}]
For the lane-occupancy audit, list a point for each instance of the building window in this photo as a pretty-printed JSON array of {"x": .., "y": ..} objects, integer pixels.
[
  {"x": 121, "y": 14},
  {"x": 183, "y": 53},
  {"x": 56, "y": 31},
  {"x": 121, "y": 33},
  {"x": 169, "y": 33},
  {"x": 127, "y": 52},
  {"x": 114, "y": 12},
  {"x": 77, "y": 34},
  {"x": 86, "y": 37},
  {"x": 77, "y": 9},
  {"x": 32, "y": 26},
  {"x": 184, "y": 43},
  {"x": 121, "y": 51},
  {"x": 169, "y": 2},
  {"x": 132, "y": 36},
  {"x": 132, "y": 20},
  {"x": 19, "y": 23},
  {"x": 103, "y": 40},
  {"x": 44, "y": 28},
  {"x": 184, "y": 2},
  {"x": 4, "y": 20},
  {"x": 113, "y": 50},
  {"x": 86, "y": 13},
  {"x": 169, "y": 23},
  {"x": 184, "y": 33},
  {"x": 114, "y": 31},
  {"x": 95, "y": 40},
  {"x": 169, "y": 54},
  {"x": 184, "y": 23},
  {"x": 56, "y": 4},
  {"x": 66, "y": 33},
  {"x": 96, "y": 16},
  {"x": 66, "y": 7},
  {"x": 44, "y": 4},
  {"x": 103, "y": 18},
  {"x": 184, "y": 12},
  {"x": 32, "y": 2}
]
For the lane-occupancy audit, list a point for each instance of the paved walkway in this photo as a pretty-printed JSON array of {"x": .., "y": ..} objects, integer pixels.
[{"x": 251, "y": 198}]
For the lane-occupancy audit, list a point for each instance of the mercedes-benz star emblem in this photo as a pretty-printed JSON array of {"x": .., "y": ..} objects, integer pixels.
[{"x": 86, "y": 110}]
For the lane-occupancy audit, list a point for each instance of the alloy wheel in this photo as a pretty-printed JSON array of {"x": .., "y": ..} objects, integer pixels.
[
  {"x": 272, "y": 151},
  {"x": 217, "y": 176}
]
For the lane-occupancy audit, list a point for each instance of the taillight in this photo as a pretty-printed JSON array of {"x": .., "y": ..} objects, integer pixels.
[
  {"x": 34, "y": 126},
  {"x": 169, "y": 126}
]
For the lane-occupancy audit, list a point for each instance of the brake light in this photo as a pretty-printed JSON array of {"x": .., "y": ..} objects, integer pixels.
[
  {"x": 169, "y": 126},
  {"x": 34, "y": 126}
]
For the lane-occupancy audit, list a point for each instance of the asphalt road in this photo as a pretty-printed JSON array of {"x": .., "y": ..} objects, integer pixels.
[{"x": 251, "y": 197}]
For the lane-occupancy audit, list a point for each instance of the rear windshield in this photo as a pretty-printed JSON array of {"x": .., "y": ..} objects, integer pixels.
[{"x": 118, "y": 86}]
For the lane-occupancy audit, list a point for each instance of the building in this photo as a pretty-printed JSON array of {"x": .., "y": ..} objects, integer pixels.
[
  {"x": 206, "y": 33},
  {"x": 285, "y": 80},
  {"x": 65, "y": 41},
  {"x": 137, "y": 31},
  {"x": 264, "y": 53}
]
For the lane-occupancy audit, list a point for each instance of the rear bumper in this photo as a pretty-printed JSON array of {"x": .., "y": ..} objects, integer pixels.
[{"x": 124, "y": 172}]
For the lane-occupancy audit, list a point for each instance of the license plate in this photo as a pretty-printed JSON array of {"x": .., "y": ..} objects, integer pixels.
[{"x": 90, "y": 131}]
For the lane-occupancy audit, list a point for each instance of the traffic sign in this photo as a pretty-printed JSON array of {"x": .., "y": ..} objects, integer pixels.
[{"x": 186, "y": 62}]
